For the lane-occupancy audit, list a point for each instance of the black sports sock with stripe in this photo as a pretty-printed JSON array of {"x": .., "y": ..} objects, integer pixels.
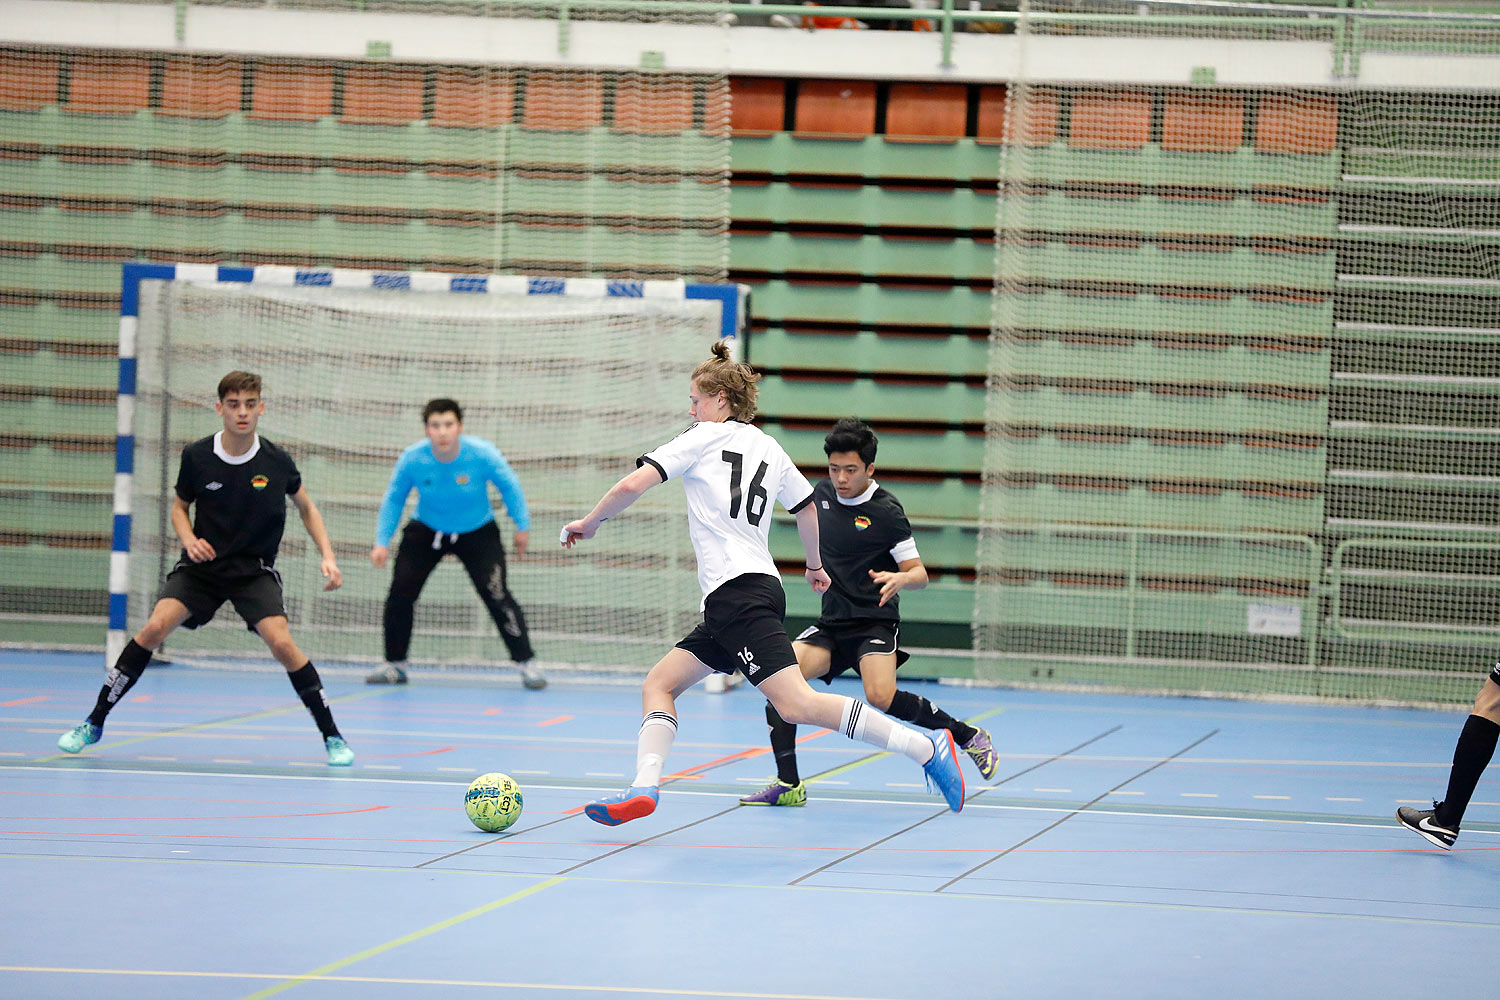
[
  {"x": 121, "y": 678},
  {"x": 919, "y": 711},
  {"x": 309, "y": 687}
]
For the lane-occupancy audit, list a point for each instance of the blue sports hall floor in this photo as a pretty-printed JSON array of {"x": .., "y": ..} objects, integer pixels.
[{"x": 1128, "y": 847}]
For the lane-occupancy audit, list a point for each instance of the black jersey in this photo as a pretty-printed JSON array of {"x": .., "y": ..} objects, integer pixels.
[
  {"x": 240, "y": 502},
  {"x": 855, "y": 539}
]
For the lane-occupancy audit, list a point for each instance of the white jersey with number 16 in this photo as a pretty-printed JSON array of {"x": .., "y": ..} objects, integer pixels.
[{"x": 732, "y": 472}]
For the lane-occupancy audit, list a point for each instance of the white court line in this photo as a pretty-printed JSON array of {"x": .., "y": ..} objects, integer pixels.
[
  {"x": 602, "y": 774},
  {"x": 1281, "y": 798},
  {"x": 676, "y": 790},
  {"x": 230, "y": 760},
  {"x": 519, "y": 771},
  {"x": 1199, "y": 795},
  {"x": 458, "y": 770},
  {"x": 1124, "y": 791},
  {"x": 1061, "y": 791},
  {"x": 164, "y": 760},
  {"x": 381, "y": 767}
]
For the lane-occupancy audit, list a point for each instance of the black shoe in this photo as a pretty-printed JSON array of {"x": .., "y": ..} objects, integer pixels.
[{"x": 1424, "y": 821}]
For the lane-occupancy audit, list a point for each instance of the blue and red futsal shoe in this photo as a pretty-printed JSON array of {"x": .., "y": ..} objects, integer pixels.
[
  {"x": 942, "y": 770},
  {"x": 633, "y": 803}
]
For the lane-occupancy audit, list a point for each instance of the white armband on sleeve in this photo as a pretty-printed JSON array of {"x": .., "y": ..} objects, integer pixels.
[{"x": 905, "y": 550}]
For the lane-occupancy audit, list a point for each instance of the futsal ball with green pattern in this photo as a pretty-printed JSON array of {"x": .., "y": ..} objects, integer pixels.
[{"x": 493, "y": 802}]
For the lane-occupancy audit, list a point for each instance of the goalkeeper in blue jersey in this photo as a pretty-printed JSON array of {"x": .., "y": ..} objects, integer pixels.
[{"x": 451, "y": 472}]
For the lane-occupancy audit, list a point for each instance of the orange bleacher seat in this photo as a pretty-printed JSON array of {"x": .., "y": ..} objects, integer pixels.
[
  {"x": 925, "y": 112},
  {"x": 756, "y": 106},
  {"x": 292, "y": 91},
  {"x": 472, "y": 98},
  {"x": 1297, "y": 123},
  {"x": 200, "y": 86},
  {"x": 1037, "y": 111},
  {"x": 1110, "y": 120},
  {"x": 836, "y": 109},
  {"x": 382, "y": 95},
  {"x": 109, "y": 84},
  {"x": 28, "y": 80},
  {"x": 653, "y": 104},
  {"x": 1203, "y": 123},
  {"x": 563, "y": 101}
]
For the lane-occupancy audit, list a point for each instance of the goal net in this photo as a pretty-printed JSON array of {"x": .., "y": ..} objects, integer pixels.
[
  {"x": 1242, "y": 392},
  {"x": 571, "y": 379}
]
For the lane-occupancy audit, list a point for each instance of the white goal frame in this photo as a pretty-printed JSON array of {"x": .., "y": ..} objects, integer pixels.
[{"x": 733, "y": 302}]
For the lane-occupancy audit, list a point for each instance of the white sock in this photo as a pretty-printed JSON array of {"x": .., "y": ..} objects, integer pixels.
[
  {"x": 859, "y": 721},
  {"x": 651, "y": 748}
]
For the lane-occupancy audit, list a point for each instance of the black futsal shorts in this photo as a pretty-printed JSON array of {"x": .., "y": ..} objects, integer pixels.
[{"x": 742, "y": 629}]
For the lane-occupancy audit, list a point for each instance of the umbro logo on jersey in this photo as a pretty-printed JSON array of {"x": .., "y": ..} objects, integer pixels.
[
  {"x": 877, "y": 642},
  {"x": 825, "y": 504},
  {"x": 215, "y": 485}
]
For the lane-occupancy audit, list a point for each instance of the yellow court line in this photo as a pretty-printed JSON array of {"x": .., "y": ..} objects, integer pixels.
[
  {"x": 404, "y": 981},
  {"x": 882, "y": 755},
  {"x": 406, "y": 939},
  {"x": 202, "y": 726}
]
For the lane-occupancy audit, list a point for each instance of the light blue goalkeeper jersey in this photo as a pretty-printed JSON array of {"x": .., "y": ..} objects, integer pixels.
[{"x": 452, "y": 497}]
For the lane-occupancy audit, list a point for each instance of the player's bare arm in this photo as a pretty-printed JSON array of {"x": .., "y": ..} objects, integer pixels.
[
  {"x": 910, "y": 575},
  {"x": 313, "y": 522},
  {"x": 620, "y": 496},
  {"x": 807, "y": 530},
  {"x": 197, "y": 549}
]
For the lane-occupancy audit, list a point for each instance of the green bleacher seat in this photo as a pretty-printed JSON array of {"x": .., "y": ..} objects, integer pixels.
[
  {"x": 1209, "y": 213},
  {"x": 1195, "y": 360},
  {"x": 1205, "y": 458},
  {"x": 1269, "y": 508},
  {"x": 1165, "y": 407},
  {"x": 34, "y": 460},
  {"x": 871, "y": 304},
  {"x": 781, "y": 252},
  {"x": 941, "y": 545},
  {"x": 1199, "y": 265},
  {"x": 872, "y": 156},
  {"x": 866, "y": 352},
  {"x": 50, "y": 272},
  {"x": 861, "y": 204},
  {"x": 830, "y": 398},
  {"x": 1234, "y": 313},
  {"x": 901, "y": 449}
]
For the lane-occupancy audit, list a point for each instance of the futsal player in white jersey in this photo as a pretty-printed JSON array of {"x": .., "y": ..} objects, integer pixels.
[{"x": 732, "y": 472}]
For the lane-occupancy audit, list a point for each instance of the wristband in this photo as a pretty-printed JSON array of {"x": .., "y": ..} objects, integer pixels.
[{"x": 814, "y": 569}]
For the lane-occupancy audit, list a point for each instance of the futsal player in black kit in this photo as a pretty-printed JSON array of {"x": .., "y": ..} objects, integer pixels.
[
  {"x": 870, "y": 556},
  {"x": 239, "y": 483}
]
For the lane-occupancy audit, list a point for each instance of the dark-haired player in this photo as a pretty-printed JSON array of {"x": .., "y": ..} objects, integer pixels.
[
  {"x": 869, "y": 553},
  {"x": 451, "y": 472},
  {"x": 238, "y": 484}
]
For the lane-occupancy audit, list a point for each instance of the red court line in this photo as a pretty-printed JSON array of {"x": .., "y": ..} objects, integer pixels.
[
  {"x": 23, "y": 701},
  {"x": 553, "y": 722},
  {"x": 690, "y": 774},
  {"x": 153, "y": 816}
]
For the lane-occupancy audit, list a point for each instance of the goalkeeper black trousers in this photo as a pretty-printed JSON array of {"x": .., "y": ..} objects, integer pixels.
[{"x": 483, "y": 557}]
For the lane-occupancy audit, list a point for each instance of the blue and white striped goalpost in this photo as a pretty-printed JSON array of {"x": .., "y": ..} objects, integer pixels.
[{"x": 733, "y": 301}]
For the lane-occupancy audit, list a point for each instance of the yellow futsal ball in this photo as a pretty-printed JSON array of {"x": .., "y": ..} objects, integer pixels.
[{"x": 493, "y": 802}]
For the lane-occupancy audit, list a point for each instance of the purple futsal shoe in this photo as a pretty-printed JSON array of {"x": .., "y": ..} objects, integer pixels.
[{"x": 982, "y": 752}]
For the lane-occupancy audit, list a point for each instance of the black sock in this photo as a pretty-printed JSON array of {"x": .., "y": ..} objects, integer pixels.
[
  {"x": 919, "y": 711},
  {"x": 783, "y": 745},
  {"x": 121, "y": 678},
  {"x": 1476, "y": 745},
  {"x": 309, "y": 688}
]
